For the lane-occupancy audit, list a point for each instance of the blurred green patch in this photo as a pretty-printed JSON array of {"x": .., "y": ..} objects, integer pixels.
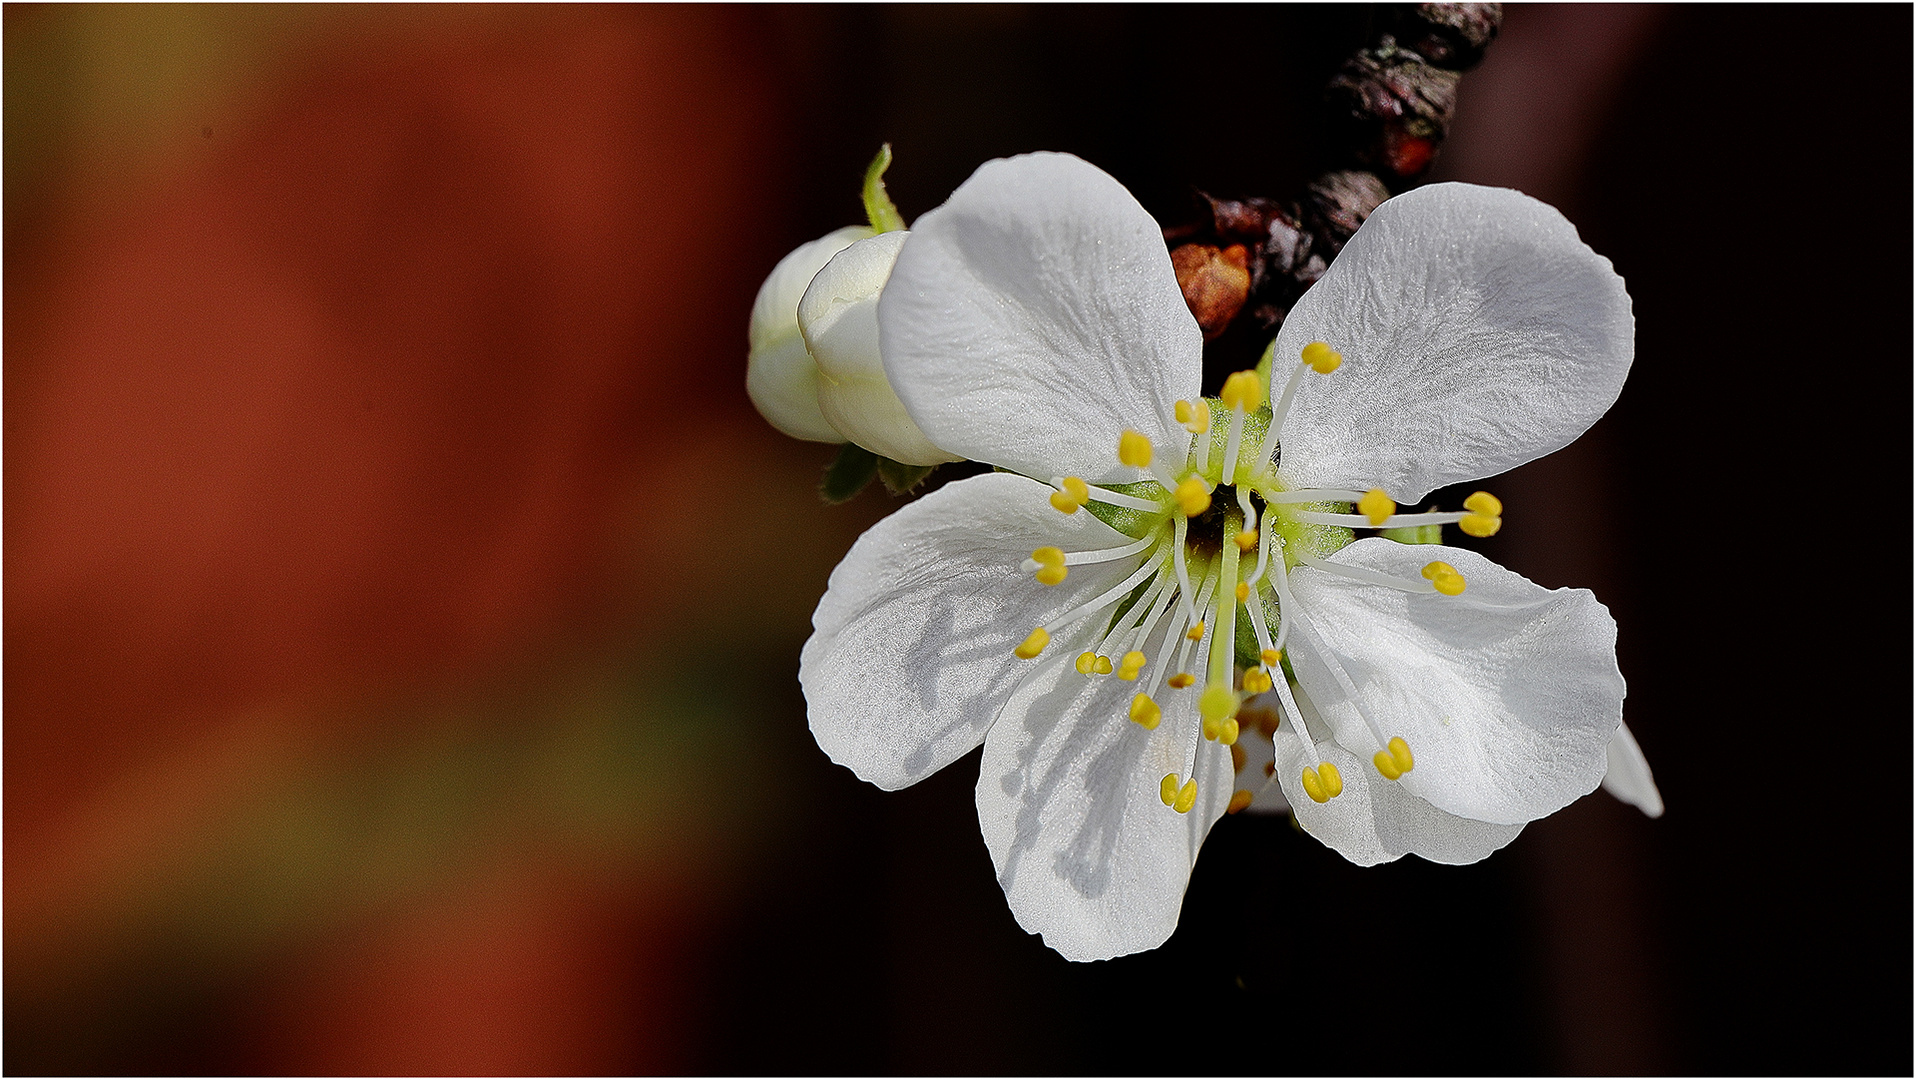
[{"x": 639, "y": 771}]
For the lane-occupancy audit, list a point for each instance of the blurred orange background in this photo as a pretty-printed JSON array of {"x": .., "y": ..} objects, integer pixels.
[{"x": 403, "y": 600}]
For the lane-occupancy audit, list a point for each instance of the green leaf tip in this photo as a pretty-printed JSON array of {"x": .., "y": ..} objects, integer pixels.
[{"x": 879, "y": 208}]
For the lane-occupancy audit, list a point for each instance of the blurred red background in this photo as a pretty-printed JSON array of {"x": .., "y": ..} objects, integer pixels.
[
  {"x": 361, "y": 416},
  {"x": 403, "y": 601}
]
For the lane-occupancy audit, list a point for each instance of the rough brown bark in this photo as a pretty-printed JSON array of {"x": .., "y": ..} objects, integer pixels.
[{"x": 1391, "y": 105}]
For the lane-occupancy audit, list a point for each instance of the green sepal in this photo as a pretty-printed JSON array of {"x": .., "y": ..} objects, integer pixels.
[
  {"x": 1415, "y": 534},
  {"x": 848, "y": 474},
  {"x": 1257, "y": 423},
  {"x": 879, "y": 208},
  {"x": 1319, "y": 540},
  {"x": 1135, "y": 524},
  {"x": 901, "y": 478}
]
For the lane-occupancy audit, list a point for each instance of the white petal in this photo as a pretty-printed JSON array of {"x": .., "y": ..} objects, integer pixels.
[
  {"x": 1629, "y": 777},
  {"x": 1374, "y": 820},
  {"x": 782, "y": 382},
  {"x": 1346, "y": 824},
  {"x": 1507, "y": 694},
  {"x": 780, "y": 376},
  {"x": 910, "y": 659},
  {"x": 839, "y": 318},
  {"x": 1068, "y": 798},
  {"x": 1478, "y": 332},
  {"x": 1035, "y": 316}
]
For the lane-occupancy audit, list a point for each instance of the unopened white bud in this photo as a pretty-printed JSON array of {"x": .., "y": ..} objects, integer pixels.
[
  {"x": 780, "y": 375},
  {"x": 839, "y": 319}
]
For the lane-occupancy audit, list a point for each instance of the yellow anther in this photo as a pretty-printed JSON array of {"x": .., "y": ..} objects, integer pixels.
[
  {"x": 1194, "y": 415},
  {"x": 1181, "y": 680},
  {"x": 1271, "y": 657},
  {"x": 1051, "y": 575},
  {"x": 1239, "y": 800},
  {"x": 1168, "y": 788},
  {"x": 1314, "y": 787},
  {"x": 1130, "y": 665},
  {"x": 1192, "y": 498},
  {"x": 1400, "y": 752},
  {"x": 1246, "y": 540},
  {"x": 1386, "y": 765},
  {"x": 1332, "y": 780},
  {"x": 1103, "y": 666},
  {"x": 1243, "y": 390},
  {"x": 1196, "y": 632},
  {"x": 1134, "y": 450},
  {"x": 1187, "y": 796},
  {"x": 1485, "y": 517},
  {"x": 1217, "y": 702},
  {"x": 1376, "y": 506},
  {"x": 1211, "y": 729},
  {"x": 1075, "y": 493},
  {"x": 1243, "y": 591},
  {"x": 1257, "y": 681},
  {"x": 1483, "y": 502},
  {"x": 1048, "y": 556},
  {"x": 1321, "y": 358},
  {"x": 1145, "y": 712},
  {"x": 1033, "y": 645},
  {"x": 1228, "y": 731},
  {"x": 1445, "y": 577},
  {"x": 1481, "y": 525},
  {"x": 1087, "y": 663}
]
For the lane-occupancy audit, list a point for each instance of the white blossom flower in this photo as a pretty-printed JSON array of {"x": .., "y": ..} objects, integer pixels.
[{"x": 1033, "y": 322}]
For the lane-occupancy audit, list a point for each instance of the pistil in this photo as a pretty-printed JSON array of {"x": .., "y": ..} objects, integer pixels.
[{"x": 1218, "y": 704}]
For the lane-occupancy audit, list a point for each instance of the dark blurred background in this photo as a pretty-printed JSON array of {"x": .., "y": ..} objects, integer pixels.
[{"x": 403, "y": 601}]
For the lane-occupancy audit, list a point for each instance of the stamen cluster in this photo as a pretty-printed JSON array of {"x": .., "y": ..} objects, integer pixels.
[{"x": 1204, "y": 513}]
